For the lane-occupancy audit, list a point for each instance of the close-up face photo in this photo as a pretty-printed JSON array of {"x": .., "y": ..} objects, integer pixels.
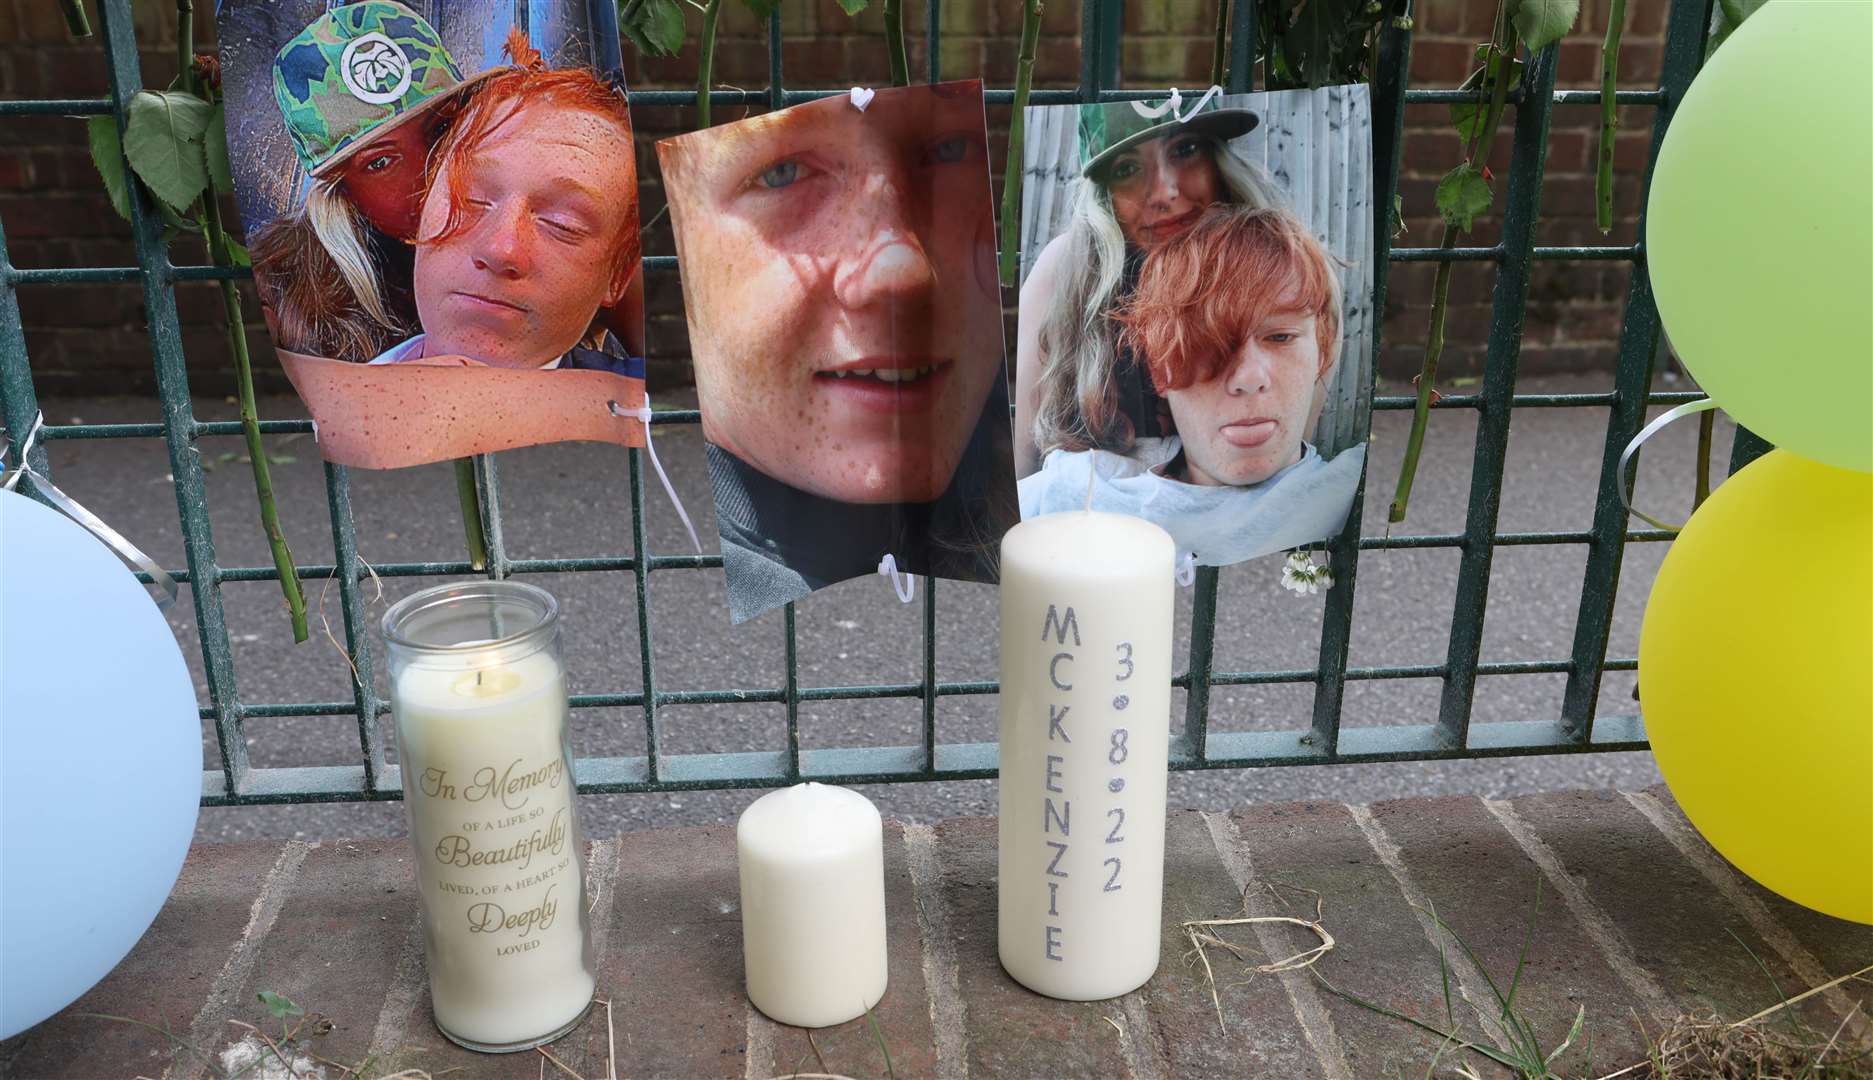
[
  {"x": 522, "y": 232},
  {"x": 1245, "y": 424},
  {"x": 840, "y": 285},
  {"x": 1158, "y": 188},
  {"x": 385, "y": 179}
]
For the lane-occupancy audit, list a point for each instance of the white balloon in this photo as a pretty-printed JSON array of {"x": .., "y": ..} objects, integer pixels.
[{"x": 100, "y": 761}]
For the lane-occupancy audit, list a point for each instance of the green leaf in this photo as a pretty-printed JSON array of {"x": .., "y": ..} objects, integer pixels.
[
  {"x": 215, "y": 151},
  {"x": 1398, "y": 216},
  {"x": 279, "y": 1006},
  {"x": 237, "y": 252},
  {"x": 852, "y": 7},
  {"x": 663, "y": 25},
  {"x": 1468, "y": 116},
  {"x": 1543, "y": 22},
  {"x": 163, "y": 138},
  {"x": 1463, "y": 194},
  {"x": 765, "y": 8},
  {"x": 1728, "y": 16},
  {"x": 107, "y": 154}
]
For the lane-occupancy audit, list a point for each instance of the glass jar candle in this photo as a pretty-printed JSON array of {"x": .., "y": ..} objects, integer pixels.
[{"x": 479, "y": 697}]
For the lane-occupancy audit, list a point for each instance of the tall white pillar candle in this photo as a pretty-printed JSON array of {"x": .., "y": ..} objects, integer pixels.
[
  {"x": 1086, "y": 618},
  {"x": 812, "y": 904},
  {"x": 481, "y": 730}
]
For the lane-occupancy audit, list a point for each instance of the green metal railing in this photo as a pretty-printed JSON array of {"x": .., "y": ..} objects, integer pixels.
[{"x": 1453, "y": 735}]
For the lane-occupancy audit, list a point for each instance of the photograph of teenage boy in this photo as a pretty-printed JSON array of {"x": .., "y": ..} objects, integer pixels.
[
  {"x": 1140, "y": 181},
  {"x": 1240, "y": 358},
  {"x": 844, "y": 316},
  {"x": 529, "y": 228}
]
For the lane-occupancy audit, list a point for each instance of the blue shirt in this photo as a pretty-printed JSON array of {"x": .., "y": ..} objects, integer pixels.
[{"x": 1306, "y": 502}]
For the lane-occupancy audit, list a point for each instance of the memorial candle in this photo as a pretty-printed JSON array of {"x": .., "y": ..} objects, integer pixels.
[
  {"x": 1086, "y": 613},
  {"x": 811, "y": 860},
  {"x": 479, "y": 698}
]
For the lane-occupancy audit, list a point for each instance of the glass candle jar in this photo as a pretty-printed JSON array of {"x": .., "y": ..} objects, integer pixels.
[{"x": 479, "y": 697}]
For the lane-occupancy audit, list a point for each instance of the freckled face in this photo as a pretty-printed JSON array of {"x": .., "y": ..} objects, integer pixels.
[
  {"x": 1159, "y": 188},
  {"x": 384, "y": 178},
  {"x": 550, "y": 194},
  {"x": 1246, "y": 425},
  {"x": 838, "y": 272}
]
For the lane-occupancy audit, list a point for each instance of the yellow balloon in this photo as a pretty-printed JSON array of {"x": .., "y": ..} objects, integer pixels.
[{"x": 1756, "y": 678}]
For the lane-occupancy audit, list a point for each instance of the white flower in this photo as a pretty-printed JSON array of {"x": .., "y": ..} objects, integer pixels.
[{"x": 1300, "y": 574}]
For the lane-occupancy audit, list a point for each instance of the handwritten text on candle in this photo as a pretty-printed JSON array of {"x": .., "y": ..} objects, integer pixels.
[{"x": 1057, "y": 813}]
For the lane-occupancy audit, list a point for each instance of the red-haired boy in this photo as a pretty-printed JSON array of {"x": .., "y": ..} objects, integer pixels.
[{"x": 1239, "y": 321}]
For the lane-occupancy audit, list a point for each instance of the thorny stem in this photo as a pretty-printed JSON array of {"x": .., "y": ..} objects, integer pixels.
[
  {"x": 1609, "y": 115},
  {"x": 894, "y": 42},
  {"x": 1011, "y": 173},
  {"x": 76, "y": 23},
  {"x": 470, "y": 497},
  {"x": 1498, "y": 86},
  {"x": 1219, "y": 57},
  {"x": 237, "y": 341},
  {"x": 1706, "y": 430},
  {"x": 705, "y": 63}
]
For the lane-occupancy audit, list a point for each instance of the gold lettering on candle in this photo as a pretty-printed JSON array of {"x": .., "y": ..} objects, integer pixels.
[
  {"x": 489, "y": 917},
  {"x": 513, "y": 791}
]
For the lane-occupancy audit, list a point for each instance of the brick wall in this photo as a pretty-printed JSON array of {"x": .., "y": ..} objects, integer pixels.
[{"x": 90, "y": 338}]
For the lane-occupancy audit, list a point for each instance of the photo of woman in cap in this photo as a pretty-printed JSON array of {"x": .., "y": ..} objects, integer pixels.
[
  {"x": 430, "y": 234},
  {"x": 1196, "y": 317},
  {"x": 1141, "y": 179}
]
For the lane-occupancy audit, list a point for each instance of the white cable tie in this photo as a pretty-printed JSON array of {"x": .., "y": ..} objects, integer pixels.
[
  {"x": 1152, "y": 112},
  {"x": 861, "y": 97},
  {"x": 1186, "y": 572},
  {"x": 906, "y": 590},
  {"x": 650, "y": 444},
  {"x": 1213, "y": 92},
  {"x": 71, "y": 508}
]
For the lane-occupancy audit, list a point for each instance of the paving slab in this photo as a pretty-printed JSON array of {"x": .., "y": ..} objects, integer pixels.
[
  {"x": 1303, "y": 853},
  {"x": 162, "y": 983},
  {"x": 1013, "y": 1031},
  {"x": 1258, "y": 1034},
  {"x": 1484, "y": 887}
]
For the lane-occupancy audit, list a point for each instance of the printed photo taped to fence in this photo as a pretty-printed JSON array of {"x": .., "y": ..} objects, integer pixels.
[
  {"x": 1195, "y": 317},
  {"x": 441, "y": 207},
  {"x": 844, "y": 316}
]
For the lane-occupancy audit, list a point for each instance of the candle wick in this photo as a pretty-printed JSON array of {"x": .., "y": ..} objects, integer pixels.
[{"x": 477, "y": 678}]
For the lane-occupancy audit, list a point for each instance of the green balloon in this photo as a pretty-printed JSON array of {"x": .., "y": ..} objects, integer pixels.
[{"x": 1759, "y": 229}]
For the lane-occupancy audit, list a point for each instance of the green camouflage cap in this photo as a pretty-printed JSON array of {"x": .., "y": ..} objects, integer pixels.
[
  {"x": 1108, "y": 130},
  {"x": 355, "y": 70}
]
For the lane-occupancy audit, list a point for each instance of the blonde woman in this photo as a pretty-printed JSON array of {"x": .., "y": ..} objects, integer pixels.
[
  {"x": 1143, "y": 180},
  {"x": 365, "y": 90}
]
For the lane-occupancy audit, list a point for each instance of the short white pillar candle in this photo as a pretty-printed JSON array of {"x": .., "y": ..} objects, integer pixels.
[{"x": 812, "y": 904}]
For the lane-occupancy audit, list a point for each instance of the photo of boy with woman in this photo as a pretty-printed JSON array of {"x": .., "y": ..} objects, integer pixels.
[
  {"x": 440, "y": 237},
  {"x": 1195, "y": 318}
]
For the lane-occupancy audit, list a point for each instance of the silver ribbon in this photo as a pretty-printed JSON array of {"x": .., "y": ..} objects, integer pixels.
[
  {"x": 1651, "y": 429},
  {"x": 70, "y": 507}
]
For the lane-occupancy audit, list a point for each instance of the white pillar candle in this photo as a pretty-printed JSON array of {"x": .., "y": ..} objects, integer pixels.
[
  {"x": 1086, "y": 618},
  {"x": 486, "y": 775},
  {"x": 812, "y": 904}
]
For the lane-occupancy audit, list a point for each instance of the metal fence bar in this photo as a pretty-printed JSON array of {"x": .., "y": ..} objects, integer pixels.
[
  {"x": 1638, "y": 351},
  {"x": 1199, "y": 747},
  {"x": 1508, "y": 307},
  {"x": 357, "y": 633},
  {"x": 159, "y": 306},
  {"x": 1336, "y": 629}
]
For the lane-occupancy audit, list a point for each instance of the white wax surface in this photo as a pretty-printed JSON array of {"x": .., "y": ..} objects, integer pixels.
[
  {"x": 1085, "y": 740},
  {"x": 812, "y": 904},
  {"x": 497, "y": 846}
]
